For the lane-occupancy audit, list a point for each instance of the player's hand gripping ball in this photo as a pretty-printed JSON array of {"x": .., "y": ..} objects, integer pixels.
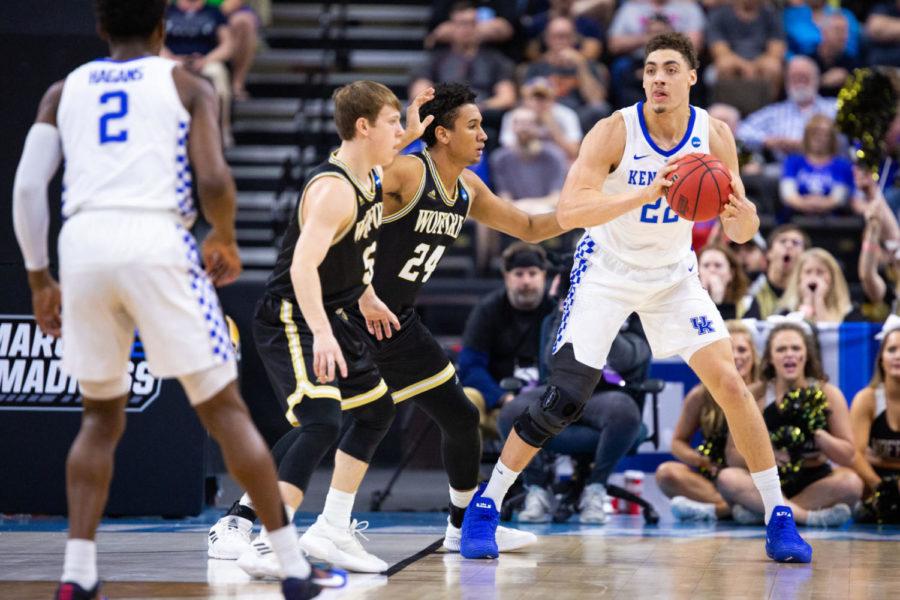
[{"x": 700, "y": 187}]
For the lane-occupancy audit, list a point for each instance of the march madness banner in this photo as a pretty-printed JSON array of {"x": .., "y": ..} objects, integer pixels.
[{"x": 31, "y": 378}]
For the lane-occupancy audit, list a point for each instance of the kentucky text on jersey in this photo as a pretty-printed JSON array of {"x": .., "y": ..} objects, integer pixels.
[
  {"x": 439, "y": 223},
  {"x": 371, "y": 220},
  {"x": 107, "y": 75},
  {"x": 636, "y": 177}
]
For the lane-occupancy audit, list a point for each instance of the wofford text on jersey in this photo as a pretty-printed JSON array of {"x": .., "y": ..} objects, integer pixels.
[{"x": 31, "y": 377}]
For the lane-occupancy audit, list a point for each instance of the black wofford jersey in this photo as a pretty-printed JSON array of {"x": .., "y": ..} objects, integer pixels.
[
  {"x": 414, "y": 239},
  {"x": 348, "y": 267}
]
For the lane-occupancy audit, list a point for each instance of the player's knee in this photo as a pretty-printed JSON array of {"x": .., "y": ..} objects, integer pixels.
[
  {"x": 730, "y": 390},
  {"x": 556, "y": 410},
  {"x": 375, "y": 416},
  {"x": 325, "y": 431}
]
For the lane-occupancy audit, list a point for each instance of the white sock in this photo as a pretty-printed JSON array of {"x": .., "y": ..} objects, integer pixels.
[
  {"x": 501, "y": 480},
  {"x": 769, "y": 486},
  {"x": 80, "y": 564},
  {"x": 246, "y": 501},
  {"x": 338, "y": 506},
  {"x": 287, "y": 549},
  {"x": 461, "y": 499}
]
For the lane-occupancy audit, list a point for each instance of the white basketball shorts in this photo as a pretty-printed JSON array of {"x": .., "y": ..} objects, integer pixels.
[
  {"x": 678, "y": 315},
  {"x": 125, "y": 272}
]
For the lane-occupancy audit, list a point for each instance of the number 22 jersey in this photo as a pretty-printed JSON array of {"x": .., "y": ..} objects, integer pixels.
[{"x": 124, "y": 133}]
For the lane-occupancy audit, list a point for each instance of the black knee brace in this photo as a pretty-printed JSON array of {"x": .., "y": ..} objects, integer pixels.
[
  {"x": 300, "y": 450},
  {"x": 571, "y": 384},
  {"x": 542, "y": 421},
  {"x": 368, "y": 426}
]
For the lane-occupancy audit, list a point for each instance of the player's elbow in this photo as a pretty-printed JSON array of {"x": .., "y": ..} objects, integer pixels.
[{"x": 566, "y": 217}]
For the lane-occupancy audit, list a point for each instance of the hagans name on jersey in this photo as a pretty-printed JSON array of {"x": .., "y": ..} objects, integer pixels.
[{"x": 31, "y": 378}]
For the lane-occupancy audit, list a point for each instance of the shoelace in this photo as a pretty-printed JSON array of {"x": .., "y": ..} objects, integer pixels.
[
  {"x": 357, "y": 528},
  {"x": 783, "y": 528}
]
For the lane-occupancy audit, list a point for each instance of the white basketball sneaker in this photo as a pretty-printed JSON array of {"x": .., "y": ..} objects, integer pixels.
[
  {"x": 590, "y": 506},
  {"x": 538, "y": 504},
  {"x": 507, "y": 539},
  {"x": 341, "y": 547},
  {"x": 686, "y": 510},
  {"x": 260, "y": 562},
  {"x": 229, "y": 537}
]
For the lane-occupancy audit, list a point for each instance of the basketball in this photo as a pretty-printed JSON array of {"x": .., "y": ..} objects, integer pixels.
[{"x": 700, "y": 189}]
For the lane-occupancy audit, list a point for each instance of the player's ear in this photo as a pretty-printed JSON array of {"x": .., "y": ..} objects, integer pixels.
[
  {"x": 693, "y": 76},
  {"x": 442, "y": 135},
  {"x": 362, "y": 126}
]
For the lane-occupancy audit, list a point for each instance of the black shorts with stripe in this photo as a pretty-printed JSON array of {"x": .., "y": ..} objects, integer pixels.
[
  {"x": 411, "y": 360},
  {"x": 285, "y": 345}
]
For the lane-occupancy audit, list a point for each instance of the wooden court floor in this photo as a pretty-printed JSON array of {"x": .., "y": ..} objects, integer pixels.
[{"x": 621, "y": 560}]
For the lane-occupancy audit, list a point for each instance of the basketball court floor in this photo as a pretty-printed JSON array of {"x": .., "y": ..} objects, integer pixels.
[{"x": 157, "y": 558}]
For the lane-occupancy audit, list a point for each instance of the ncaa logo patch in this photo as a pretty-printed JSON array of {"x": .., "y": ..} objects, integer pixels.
[
  {"x": 695, "y": 142},
  {"x": 31, "y": 377}
]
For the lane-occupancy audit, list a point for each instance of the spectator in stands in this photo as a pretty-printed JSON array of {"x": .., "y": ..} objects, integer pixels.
[
  {"x": 817, "y": 494},
  {"x": 608, "y": 428},
  {"x": 635, "y": 22},
  {"x": 875, "y": 419},
  {"x": 485, "y": 70},
  {"x": 576, "y": 81},
  {"x": 198, "y": 37},
  {"x": 883, "y": 30},
  {"x": 750, "y": 162},
  {"x": 532, "y": 170},
  {"x": 818, "y": 181},
  {"x": 557, "y": 123},
  {"x": 784, "y": 245},
  {"x": 751, "y": 256},
  {"x": 690, "y": 480},
  {"x": 832, "y": 55},
  {"x": 496, "y": 24},
  {"x": 805, "y": 24},
  {"x": 722, "y": 276},
  {"x": 778, "y": 128},
  {"x": 590, "y": 31},
  {"x": 747, "y": 43},
  {"x": 502, "y": 334},
  {"x": 244, "y": 23},
  {"x": 879, "y": 257},
  {"x": 817, "y": 290}
]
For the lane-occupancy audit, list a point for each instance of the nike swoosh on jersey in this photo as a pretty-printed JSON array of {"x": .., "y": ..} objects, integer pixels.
[{"x": 636, "y": 157}]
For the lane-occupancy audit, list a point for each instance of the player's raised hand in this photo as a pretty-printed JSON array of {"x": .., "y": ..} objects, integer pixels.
[
  {"x": 46, "y": 301},
  {"x": 379, "y": 318},
  {"x": 221, "y": 258},
  {"x": 415, "y": 126},
  {"x": 326, "y": 355}
]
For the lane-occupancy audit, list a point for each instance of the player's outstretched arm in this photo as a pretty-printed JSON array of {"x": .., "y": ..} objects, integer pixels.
[
  {"x": 215, "y": 185},
  {"x": 327, "y": 211},
  {"x": 502, "y": 215},
  {"x": 581, "y": 202},
  {"x": 739, "y": 219},
  {"x": 40, "y": 160}
]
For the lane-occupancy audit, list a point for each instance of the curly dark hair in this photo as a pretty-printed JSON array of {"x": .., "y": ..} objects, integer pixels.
[
  {"x": 674, "y": 41},
  {"x": 126, "y": 19},
  {"x": 448, "y": 97}
]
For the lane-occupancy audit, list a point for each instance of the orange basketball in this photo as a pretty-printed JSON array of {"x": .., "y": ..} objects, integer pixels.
[{"x": 701, "y": 186}]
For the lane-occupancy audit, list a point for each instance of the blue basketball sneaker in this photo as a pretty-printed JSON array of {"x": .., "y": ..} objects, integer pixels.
[
  {"x": 783, "y": 543},
  {"x": 479, "y": 528}
]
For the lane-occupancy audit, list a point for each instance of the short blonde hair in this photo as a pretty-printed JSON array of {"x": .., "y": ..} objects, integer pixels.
[
  {"x": 837, "y": 299},
  {"x": 360, "y": 99}
]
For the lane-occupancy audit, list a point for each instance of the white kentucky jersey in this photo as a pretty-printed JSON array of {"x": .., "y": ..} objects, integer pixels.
[
  {"x": 124, "y": 136},
  {"x": 653, "y": 235}
]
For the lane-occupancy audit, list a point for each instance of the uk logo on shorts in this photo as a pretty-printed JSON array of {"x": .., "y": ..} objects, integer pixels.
[
  {"x": 702, "y": 324},
  {"x": 31, "y": 378}
]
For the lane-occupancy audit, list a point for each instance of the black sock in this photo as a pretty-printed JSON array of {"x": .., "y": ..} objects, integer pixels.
[
  {"x": 245, "y": 512},
  {"x": 456, "y": 515}
]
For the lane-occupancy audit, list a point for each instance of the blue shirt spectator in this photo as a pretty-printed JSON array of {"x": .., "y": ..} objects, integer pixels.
[
  {"x": 191, "y": 32},
  {"x": 802, "y": 28}
]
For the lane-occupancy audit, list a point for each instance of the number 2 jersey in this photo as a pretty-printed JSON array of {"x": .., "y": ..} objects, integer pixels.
[
  {"x": 348, "y": 266},
  {"x": 652, "y": 235},
  {"x": 414, "y": 239},
  {"x": 124, "y": 134}
]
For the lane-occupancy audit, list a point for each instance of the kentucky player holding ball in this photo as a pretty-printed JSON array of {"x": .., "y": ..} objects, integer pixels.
[{"x": 636, "y": 256}]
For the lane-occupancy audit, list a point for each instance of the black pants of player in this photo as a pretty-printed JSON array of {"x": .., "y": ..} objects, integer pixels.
[
  {"x": 284, "y": 342},
  {"x": 417, "y": 370}
]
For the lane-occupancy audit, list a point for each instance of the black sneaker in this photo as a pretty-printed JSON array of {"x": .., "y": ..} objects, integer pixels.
[
  {"x": 72, "y": 591},
  {"x": 299, "y": 589}
]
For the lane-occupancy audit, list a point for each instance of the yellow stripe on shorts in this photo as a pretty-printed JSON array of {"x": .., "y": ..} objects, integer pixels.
[{"x": 430, "y": 383}]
